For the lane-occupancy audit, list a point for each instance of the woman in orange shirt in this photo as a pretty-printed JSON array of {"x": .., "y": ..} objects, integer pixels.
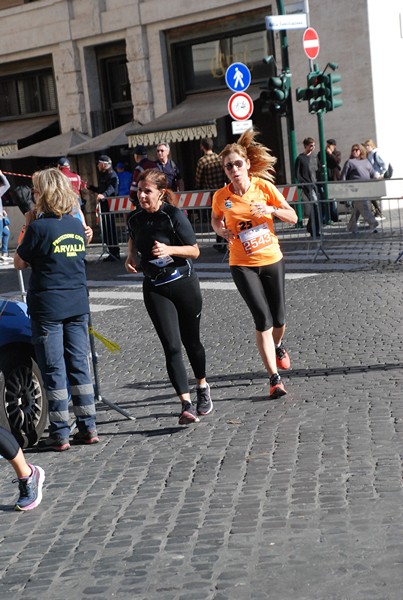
[{"x": 243, "y": 213}]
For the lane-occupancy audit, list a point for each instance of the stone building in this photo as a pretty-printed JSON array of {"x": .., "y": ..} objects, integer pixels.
[{"x": 94, "y": 65}]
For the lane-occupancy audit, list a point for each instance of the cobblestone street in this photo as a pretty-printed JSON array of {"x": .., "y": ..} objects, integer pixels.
[{"x": 293, "y": 499}]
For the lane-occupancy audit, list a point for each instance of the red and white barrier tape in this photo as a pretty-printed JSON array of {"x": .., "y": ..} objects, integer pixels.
[{"x": 17, "y": 174}]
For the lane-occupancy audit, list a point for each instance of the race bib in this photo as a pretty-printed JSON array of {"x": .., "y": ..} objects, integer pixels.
[{"x": 256, "y": 239}]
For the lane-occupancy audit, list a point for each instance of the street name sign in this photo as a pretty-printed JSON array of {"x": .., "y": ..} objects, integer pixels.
[
  {"x": 310, "y": 42},
  {"x": 278, "y": 22}
]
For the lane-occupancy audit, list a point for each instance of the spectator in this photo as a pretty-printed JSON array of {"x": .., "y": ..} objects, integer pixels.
[
  {"x": 306, "y": 166},
  {"x": 358, "y": 168},
  {"x": 53, "y": 247},
  {"x": 380, "y": 167},
  {"x": 333, "y": 160},
  {"x": 5, "y": 236},
  {"x": 4, "y": 186},
  {"x": 108, "y": 186},
  {"x": 30, "y": 477},
  {"x": 168, "y": 167},
  {"x": 210, "y": 176},
  {"x": 125, "y": 179},
  {"x": 209, "y": 171},
  {"x": 142, "y": 163},
  {"x": 63, "y": 164}
]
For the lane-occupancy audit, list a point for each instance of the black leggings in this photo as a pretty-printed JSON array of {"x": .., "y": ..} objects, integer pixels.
[
  {"x": 8, "y": 444},
  {"x": 175, "y": 310},
  {"x": 262, "y": 288}
]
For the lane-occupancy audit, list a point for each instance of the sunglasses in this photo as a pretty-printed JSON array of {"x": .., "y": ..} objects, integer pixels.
[
  {"x": 356, "y": 149},
  {"x": 230, "y": 165}
]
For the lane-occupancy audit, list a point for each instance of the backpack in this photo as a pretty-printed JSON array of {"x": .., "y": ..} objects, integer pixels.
[{"x": 389, "y": 171}]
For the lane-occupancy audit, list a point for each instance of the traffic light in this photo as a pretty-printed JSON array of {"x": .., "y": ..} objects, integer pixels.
[
  {"x": 276, "y": 93},
  {"x": 333, "y": 91},
  {"x": 320, "y": 92},
  {"x": 316, "y": 92}
]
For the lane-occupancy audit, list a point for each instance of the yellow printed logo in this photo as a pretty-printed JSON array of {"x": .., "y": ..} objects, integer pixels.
[{"x": 73, "y": 243}]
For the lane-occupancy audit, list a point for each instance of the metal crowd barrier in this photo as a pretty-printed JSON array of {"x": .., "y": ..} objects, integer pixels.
[{"x": 342, "y": 196}]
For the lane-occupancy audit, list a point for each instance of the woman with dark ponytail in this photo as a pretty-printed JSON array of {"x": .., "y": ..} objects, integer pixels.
[{"x": 163, "y": 244}]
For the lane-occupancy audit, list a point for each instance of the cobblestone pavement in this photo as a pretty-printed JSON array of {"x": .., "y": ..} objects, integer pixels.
[{"x": 294, "y": 499}]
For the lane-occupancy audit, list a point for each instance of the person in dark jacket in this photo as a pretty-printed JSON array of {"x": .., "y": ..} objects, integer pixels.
[{"x": 108, "y": 186}]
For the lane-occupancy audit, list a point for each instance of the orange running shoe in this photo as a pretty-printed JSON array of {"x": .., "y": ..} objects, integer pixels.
[
  {"x": 277, "y": 388},
  {"x": 282, "y": 359}
]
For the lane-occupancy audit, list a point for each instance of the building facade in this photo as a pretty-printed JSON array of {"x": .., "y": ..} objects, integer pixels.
[{"x": 95, "y": 65}]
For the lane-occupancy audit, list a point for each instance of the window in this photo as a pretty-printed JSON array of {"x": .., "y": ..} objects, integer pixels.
[
  {"x": 202, "y": 65},
  {"x": 30, "y": 94}
]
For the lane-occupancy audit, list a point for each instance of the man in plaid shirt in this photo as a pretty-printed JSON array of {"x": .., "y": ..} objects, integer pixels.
[
  {"x": 209, "y": 171},
  {"x": 210, "y": 176}
]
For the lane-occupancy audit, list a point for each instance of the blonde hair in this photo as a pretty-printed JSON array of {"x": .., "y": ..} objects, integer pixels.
[
  {"x": 54, "y": 192},
  {"x": 370, "y": 143},
  {"x": 261, "y": 161}
]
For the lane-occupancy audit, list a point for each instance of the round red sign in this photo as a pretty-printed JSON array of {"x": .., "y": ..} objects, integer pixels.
[
  {"x": 240, "y": 106},
  {"x": 310, "y": 42}
]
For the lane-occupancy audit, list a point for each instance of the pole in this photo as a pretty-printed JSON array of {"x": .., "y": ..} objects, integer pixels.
[{"x": 292, "y": 144}]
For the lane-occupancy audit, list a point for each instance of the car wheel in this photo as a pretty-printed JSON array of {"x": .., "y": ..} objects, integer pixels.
[{"x": 23, "y": 403}]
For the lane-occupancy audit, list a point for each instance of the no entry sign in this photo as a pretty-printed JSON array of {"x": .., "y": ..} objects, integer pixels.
[{"x": 311, "y": 44}]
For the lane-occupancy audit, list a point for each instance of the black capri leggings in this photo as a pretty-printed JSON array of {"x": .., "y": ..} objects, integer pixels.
[
  {"x": 262, "y": 288},
  {"x": 8, "y": 444},
  {"x": 175, "y": 310}
]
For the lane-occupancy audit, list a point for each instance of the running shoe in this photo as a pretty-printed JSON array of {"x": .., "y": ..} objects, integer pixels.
[
  {"x": 54, "y": 443},
  {"x": 86, "y": 437},
  {"x": 276, "y": 387},
  {"x": 204, "y": 402},
  {"x": 188, "y": 414},
  {"x": 282, "y": 359},
  {"x": 30, "y": 489}
]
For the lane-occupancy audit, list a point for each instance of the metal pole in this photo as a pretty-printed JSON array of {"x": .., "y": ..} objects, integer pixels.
[{"x": 292, "y": 144}]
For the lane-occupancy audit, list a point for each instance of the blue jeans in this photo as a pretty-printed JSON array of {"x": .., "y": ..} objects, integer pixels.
[
  {"x": 5, "y": 236},
  {"x": 61, "y": 349}
]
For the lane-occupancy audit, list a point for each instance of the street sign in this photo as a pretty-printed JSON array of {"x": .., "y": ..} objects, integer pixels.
[
  {"x": 237, "y": 77},
  {"x": 310, "y": 42},
  {"x": 294, "y": 21},
  {"x": 240, "y": 106},
  {"x": 241, "y": 126},
  {"x": 296, "y": 7}
]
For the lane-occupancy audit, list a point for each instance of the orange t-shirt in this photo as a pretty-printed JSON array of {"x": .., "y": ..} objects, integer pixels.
[{"x": 255, "y": 243}]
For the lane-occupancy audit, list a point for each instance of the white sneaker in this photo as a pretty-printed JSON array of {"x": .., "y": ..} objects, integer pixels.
[{"x": 6, "y": 259}]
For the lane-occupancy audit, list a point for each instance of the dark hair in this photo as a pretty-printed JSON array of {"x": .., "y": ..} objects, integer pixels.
[
  {"x": 207, "y": 143},
  {"x": 308, "y": 141},
  {"x": 261, "y": 161},
  {"x": 159, "y": 179}
]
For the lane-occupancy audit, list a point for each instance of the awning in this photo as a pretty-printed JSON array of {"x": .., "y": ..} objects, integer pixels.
[
  {"x": 56, "y": 146},
  {"x": 114, "y": 137},
  {"x": 12, "y": 132},
  {"x": 193, "y": 119}
]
